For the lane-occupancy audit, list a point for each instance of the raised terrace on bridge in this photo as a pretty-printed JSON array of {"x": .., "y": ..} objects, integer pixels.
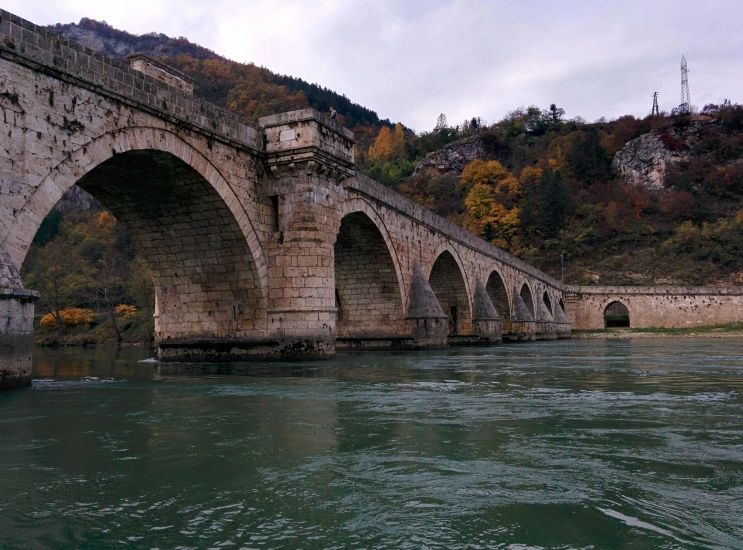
[{"x": 262, "y": 241}]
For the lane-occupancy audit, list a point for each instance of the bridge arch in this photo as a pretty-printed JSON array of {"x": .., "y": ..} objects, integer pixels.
[
  {"x": 448, "y": 280},
  {"x": 498, "y": 293},
  {"x": 171, "y": 198},
  {"x": 548, "y": 303},
  {"x": 616, "y": 315},
  {"x": 369, "y": 290},
  {"x": 527, "y": 296}
]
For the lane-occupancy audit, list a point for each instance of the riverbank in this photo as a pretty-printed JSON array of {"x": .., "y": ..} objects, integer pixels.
[
  {"x": 137, "y": 329},
  {"x": 727, "y": 330}
]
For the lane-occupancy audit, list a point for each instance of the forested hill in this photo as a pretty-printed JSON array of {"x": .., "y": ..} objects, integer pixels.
[{"x": 241, "y": 87}]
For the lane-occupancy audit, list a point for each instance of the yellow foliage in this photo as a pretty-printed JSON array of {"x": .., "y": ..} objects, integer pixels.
[
  {"x": 530, "y": 176},
  {"x": 398, "y": 142},
  {"x": 105, "y": 220},
  {"x": 480, "y": 201},
  {"x": 71, "y": 317},
  {"x": 558, "y": 150},
  {"x": 126, "y": 311},
  {"x": 487, "y": 173},
  {"x": 383, "y": 146}
]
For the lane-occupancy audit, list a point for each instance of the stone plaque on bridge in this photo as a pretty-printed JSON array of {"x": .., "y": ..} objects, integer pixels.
[{"x": 288, "y": 135}]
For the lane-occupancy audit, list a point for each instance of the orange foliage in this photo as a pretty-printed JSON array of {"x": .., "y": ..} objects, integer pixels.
[
  {"x": 71, "y": 317},
  {"x": 126, "y": 311}
]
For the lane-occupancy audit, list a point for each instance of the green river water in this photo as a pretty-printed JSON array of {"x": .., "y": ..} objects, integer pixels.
[{"x": 570, "y": 444}]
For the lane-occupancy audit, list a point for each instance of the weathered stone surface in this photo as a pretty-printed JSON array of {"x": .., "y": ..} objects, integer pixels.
[
  {"x": 453, "y": 157},
  {"x": 16, "y": 337},
  {"x": 485, "y": 321},
  {"x": 662, "y": 307},
  {"x": 645, "y": 160}
]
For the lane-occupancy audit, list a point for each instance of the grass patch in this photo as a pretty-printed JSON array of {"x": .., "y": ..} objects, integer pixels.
[{"x": 704, "y": 329}]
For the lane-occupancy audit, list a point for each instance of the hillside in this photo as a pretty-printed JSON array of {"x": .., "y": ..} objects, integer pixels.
[{"x": 240, "y": 87}]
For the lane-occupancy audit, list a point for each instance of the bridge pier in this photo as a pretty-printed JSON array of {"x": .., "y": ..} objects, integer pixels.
[
  {"x": 426, "y": 320},
  {"x": 486, "y": 322},
  {"x": 562, "y": 324},
  {"x": 16, "y": 336},
  {"x": 523, "y": 326}
]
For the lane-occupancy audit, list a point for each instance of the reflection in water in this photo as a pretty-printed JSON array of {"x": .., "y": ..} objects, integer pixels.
[{"x": 587, "y": 444}]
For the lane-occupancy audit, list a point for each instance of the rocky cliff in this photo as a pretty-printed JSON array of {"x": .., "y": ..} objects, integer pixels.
[
  {"x": 452, "y": 158},
  {"x": 645, "y": 160}
]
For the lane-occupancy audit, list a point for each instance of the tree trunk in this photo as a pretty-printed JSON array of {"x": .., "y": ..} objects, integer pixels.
[
  {"x": 114, "y": 326},
  {"x": 58, "y": 319}
]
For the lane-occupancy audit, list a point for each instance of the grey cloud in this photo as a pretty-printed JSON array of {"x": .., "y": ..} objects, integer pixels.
[{"x": 411, "y": 60}]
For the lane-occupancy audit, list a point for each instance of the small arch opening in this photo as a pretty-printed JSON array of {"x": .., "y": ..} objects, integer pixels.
[
  {"x": 616, "y": 315},
  {"x": 447, "y": 282},
  {"x": 527, "y": 298},
  {"x": 496, "y": 290},
  {"x": 547, "y": 302}
]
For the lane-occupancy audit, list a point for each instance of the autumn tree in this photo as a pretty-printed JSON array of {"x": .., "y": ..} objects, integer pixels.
[
  {"x": 491, "y": 201},
  {"x": 383, "y": 146},
  {"x": 60, "y": 276}
]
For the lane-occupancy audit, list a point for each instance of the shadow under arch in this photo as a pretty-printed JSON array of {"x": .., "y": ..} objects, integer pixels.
[
  {"x": 498, "y": 293},
  {"x": 526, "y": 295},
  {"x": 199, "y": 245},
  {"x": 87, "y": 157},
  {"x": 449, "y": 284},
  {"x": 368, "y": 294},
  {"x": 548, "y": 303},
  {"x": 616, "y": 315}
]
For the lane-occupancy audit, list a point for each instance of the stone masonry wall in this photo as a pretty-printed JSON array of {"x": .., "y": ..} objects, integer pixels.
[
  {"x": 45, "y": 51},
  {"x": 662, "y": 307}
]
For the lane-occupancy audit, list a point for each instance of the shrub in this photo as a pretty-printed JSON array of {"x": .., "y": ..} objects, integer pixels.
[
  {"x": 671, "y": 143},
  {"x": 126, "y": 311},
  {"x": 71, "y": 317}
]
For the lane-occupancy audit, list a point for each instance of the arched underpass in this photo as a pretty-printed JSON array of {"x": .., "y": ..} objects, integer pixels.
[
  {"x": 367, "y": 291},
  {"x": 204, "y": 275},
  {"x": 616, "y": 315},
  {"x": 448, "y": 285},
  {"x": 496, "y": 290}
]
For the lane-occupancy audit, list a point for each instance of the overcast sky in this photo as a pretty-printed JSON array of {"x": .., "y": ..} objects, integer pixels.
[{"x": 410, "y": 60}]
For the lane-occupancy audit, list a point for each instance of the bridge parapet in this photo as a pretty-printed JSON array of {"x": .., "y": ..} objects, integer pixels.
[{"x": 43, "y": 50}]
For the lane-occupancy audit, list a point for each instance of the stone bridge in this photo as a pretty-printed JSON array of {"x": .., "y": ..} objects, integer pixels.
[{"x": 262, "y": 241}]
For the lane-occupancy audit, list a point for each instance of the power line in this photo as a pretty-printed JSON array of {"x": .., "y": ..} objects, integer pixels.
[{"x": 656, "y": 110}]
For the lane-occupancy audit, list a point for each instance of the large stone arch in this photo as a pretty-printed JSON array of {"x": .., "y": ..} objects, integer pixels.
[
  {"x": 207, "y": 263},
  {"x": 449, "y": 282},
  {"x": 368, "y": 284},
  {"x": 357, "y": 204},
  {"x": 100, "y": 149}
]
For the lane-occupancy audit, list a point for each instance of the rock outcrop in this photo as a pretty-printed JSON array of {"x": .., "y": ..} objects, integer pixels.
[
  {"x": 452, "y": 158},
  {"x": 645, "y": 160}
]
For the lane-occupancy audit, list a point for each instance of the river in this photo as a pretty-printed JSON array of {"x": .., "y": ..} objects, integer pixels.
[{"x": 564, "y": 445}]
